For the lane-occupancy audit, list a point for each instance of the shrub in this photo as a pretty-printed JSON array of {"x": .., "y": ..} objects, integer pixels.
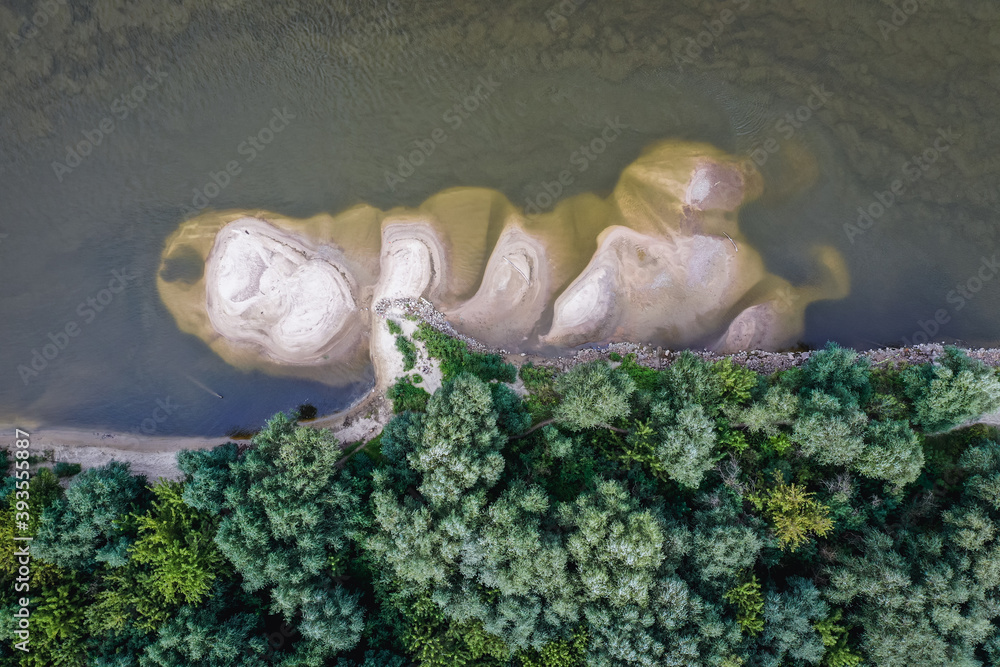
[
  {"x": 456, "y": 358},
  {"x": 540, "y": 383},
  {"x": 394, "y": 327},
  {"x": 306, "y": 412},
  {"x": 646, "y": 379},
  {"x": 537, "y": 378},
  {"x": 65, "y": 469},
  {"x": 407, "y": 398},
  {"x": 409, "y": 352}
]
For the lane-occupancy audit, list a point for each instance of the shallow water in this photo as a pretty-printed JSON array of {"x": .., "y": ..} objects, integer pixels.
[{"x": 356, "y": 87}]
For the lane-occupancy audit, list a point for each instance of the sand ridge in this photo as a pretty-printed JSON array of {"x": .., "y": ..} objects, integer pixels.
[
  {"x": 266, "y": 287},
  {"x": 667, "y": 264}
]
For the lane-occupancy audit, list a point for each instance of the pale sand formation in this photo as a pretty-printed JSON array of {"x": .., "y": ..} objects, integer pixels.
[
  {"x": 412, "y": 264},
  {"x": 514, "y": 292},
  {"x": 286, "y": 298},
  {"x": 660, "y": 260},
  {"x": 265, "y": 287}
]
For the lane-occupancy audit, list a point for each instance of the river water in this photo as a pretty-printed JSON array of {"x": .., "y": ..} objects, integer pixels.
[{"x": 118, "y": 121}]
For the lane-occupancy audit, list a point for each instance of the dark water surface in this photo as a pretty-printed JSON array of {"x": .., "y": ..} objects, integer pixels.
[{"x": 164, "y": 97}]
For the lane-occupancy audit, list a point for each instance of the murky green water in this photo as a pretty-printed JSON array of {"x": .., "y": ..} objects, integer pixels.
[{"x": 165, "y": 100}]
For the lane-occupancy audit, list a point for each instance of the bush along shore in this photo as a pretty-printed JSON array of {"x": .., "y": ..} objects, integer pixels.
[
  {"x": 818, "y": 509},
  {"x": 759, "y": 361}
]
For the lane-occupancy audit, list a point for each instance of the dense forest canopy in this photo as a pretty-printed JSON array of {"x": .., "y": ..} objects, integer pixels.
[{"x": 616, "y": 515}]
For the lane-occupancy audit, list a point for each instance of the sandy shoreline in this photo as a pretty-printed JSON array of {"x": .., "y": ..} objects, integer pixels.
[{"x": 155, "y": 456}]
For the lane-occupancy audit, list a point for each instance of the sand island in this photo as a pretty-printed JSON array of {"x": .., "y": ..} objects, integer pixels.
[{"x": 661, "y": 260}]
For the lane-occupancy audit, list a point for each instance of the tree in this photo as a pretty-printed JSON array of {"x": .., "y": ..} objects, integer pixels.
[
  {"x": 721, "y": 552},
  {"x": 208, "y": 476},
  {"x": 512, "y": 417},
  {"x": 85, "y": 528},
  {"x": 794, "y": 513},
  {"x": 830, "y": 430},
  {"x": 891, "y": 452},
  {"x": 950, "y": 393},
  {"x": 58, "y": 626},
  {"x": 839, "y": 373},
  {"x": 290, "y": 508},
  {"x": 593, "y": 394},
  {"x": 460, "y": 442},
  {"x": 690, "y": 379},
  {"x": 789, "y": 620},
  {"x": 40, "y": 493},
  {"x": 775, "y": 408},
  {"x": 685, "y": 442},
  {"x": 749, "y": 604},
  {"x": 175, "y": 544},
  {"x": 210, "y": 635},
  {"x": 616, "y": 547},
  {"x": 834, "y": 636}
]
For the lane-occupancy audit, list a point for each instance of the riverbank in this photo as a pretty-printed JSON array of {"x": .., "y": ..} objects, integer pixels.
[{"x": 155, "y": 456}]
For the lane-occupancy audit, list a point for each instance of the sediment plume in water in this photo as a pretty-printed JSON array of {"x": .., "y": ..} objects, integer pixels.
[{"x": 660, "y": 260}]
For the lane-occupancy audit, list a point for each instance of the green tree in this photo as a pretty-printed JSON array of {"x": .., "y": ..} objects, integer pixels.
[
  {"x": 211, "y": 635},
  {"x": 208, "y": 475},
  {"x": 951, "y": 392},
  {"x": 289, "y": 509},
  {"x": 40, "y": 493},
  {"x": 592, "y": 395},
  {"x": 830, "y": 430},
  {"x": 686, "y": 442},
  {"x": 776, "y": 407},
  {"x": 58, "y": 626},
  {"x": 558, "y": 653},
  {"x": 749, "y": 604},
  {"x": 460, "y": 443},
  {"x": 84, "y": 528},
  {"x": 794, "y": 513},
  {"x": 839, "y": 373},
  {"x": 834, "y": 636},
  {"x": 616, "y": 546},
  {"x": 789, "y": 624},
  {"x": 175, "y": 544},
  {"x": 892, "y": 451}
]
